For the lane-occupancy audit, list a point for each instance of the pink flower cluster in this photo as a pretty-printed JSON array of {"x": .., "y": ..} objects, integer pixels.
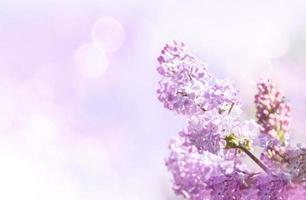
[
  {"x": 207, "y": 157},
  {"x": 273, "y": 113}
]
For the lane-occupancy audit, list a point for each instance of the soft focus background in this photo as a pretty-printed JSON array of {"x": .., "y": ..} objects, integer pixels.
[{"x": 79, "y": 118}]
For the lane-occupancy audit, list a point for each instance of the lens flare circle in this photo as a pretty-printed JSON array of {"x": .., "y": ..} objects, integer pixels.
[
  {"x": 91, "y": 60},
  {"x": 108, "y": 33}
]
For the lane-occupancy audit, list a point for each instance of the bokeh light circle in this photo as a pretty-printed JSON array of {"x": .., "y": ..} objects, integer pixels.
[
  {"x": 108, "y": 33},
  {"x": 91, "y": 60}
]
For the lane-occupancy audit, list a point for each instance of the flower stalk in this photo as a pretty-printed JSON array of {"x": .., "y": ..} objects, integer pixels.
[
  {"x": 254, "y": 158},
  {"x": 232, "y": 141}
]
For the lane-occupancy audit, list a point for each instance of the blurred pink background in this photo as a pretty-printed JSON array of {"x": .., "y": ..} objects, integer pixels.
[{"x": 79, "y": 118}]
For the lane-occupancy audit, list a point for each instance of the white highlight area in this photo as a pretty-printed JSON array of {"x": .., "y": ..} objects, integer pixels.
[
  {"x": 40, "y": 132},
  {"x": 92, "y": 159},
  {"x": 108, "y": 33},
  {"x": 272, "y": 40},
  {"x": 7, "y": 110},
  {"x": 91, "y": 60},
  {"x": 24, "y": 178}
]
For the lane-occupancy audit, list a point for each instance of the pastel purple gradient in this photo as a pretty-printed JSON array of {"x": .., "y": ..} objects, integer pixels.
[{"x": 68, "y": 131}]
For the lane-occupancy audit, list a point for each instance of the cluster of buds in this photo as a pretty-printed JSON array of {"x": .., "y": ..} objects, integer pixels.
[
  {"x": 273, "y": 113},
  {"x": 207, "y": 157}
]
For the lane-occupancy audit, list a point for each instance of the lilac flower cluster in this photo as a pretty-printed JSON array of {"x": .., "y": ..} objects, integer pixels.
[
  {"x": 187, "y": 87},
  {"x": 207, "y": 157},
  {"x": 273, "y": 113}
]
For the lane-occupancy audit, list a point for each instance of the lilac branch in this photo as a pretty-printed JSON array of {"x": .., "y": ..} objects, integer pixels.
[
  {"x": 232, "y": 141},
  {"x": 254, "y": 158}
]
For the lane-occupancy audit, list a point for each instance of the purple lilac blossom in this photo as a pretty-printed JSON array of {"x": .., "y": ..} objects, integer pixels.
[
  {"x": 207, "y": 132},
  {"x": 296, "y": 192},
  {"x": 205, "y": 159},
  {"x": 272, "y": 187},
  {"x": 273, "y": 113},
  {"x": 191, "y": 170},
  {"x": 227, "y": 186},
  {"x": 273, "y": 156},
  {"x": 186, "y": 87},
  {"x": 273, "y": 116},
  {"x": 295, "y": 164}
]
